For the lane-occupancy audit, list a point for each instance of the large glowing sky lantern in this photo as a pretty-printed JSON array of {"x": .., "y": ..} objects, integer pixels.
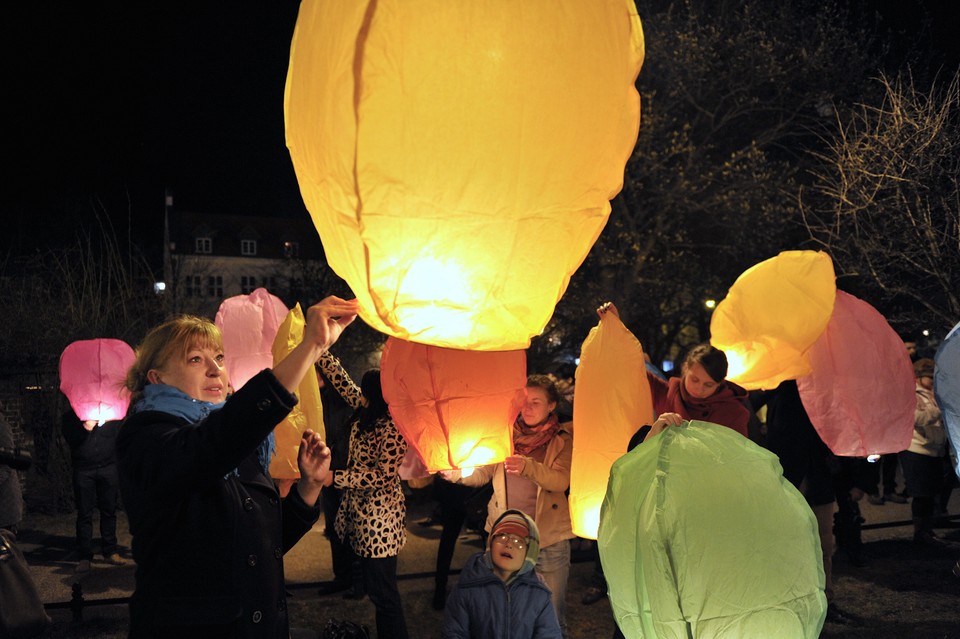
[
  {"x": 860, "y": 394},
  {"x": 612, "y": 400},
  {"x": 701, "y": 536},
  {"x": 946, "y": 386},
  {"x": 458, "y": 158},
  {"x": 249, "y": 324},
  {"x": 307, "y": 414},
  {"x": 92, "y": 374},
  {"x": 771, "y": 315},
  {"x": 454, "y": 407}
]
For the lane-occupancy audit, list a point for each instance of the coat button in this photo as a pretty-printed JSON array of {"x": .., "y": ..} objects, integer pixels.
[
  {"x": 251, "y": 560},
  {"x": 248, "y": 504},
  {"x": 281, "y": 604},
  {"x": 257, "y": 616},
  {"x": 264, "y": 404},
  {"x": 554, "y": 506},
  {"x": 277, "y": 553},
  {"x": 274, "y": 501}
]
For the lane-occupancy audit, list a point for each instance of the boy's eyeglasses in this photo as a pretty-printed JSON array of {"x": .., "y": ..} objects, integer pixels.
[{"x": 516, "y": 542}]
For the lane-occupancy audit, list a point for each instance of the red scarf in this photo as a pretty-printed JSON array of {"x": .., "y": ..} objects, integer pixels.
[{"x": 527, "y": 439}]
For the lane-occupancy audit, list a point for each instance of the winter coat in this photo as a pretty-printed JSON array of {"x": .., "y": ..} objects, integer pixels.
[
  {"x": 373, "y": 508},
  {"x": 90, "y": 449},
  {"x": 484, "y": 607},
  {"x": 552, "y": 478},
  {"x": 209, "y": 531},
  {"x": 725, "y": 407},
  {"x": 929, "y": 437}
]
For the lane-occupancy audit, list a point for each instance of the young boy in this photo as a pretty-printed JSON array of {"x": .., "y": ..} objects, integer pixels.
[{"x": 499, "y": 595}]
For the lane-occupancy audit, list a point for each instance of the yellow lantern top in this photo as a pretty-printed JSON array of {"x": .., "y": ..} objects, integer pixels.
[
  {"x": 458, "y": 158},
  {"x": 772, "y": 314}
]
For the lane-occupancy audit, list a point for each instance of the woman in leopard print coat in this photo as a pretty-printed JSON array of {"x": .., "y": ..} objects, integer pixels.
[{"x": 372, "y": 510}]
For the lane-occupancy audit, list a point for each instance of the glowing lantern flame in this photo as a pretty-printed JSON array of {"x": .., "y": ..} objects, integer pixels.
[
  {"x": 439, "y": 147},
  {"x": 456, "y": 408},
  {"x": 92, "y": 373}
]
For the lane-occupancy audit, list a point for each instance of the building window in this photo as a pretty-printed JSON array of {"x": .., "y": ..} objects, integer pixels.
[
  {"x": 203, "y": 245},
  {"x": 192, "y": 286},
  {"x": 291, "y": 249},
  {"x": 248, "y": 247},
  {"x": 247, "y": 284},
  {"x": 269, "y": 283},
  {"x": 215, "y": 286}
]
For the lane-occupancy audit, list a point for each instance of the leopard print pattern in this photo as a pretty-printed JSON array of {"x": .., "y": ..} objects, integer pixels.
[{"x": 373, "y": 508}]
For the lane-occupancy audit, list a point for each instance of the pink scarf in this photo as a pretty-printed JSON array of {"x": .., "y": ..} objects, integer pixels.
[{"x": 527, "y": 439}]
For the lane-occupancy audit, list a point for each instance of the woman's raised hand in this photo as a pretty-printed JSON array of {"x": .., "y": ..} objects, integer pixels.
[
  {"x": 608, "y": 307},
  {"x": 327, "y": 319},
  {"x": 313, "y": 460}
]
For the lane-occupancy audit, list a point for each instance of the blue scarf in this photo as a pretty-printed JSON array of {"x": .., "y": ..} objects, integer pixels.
[{"x": 173, "y": 401}]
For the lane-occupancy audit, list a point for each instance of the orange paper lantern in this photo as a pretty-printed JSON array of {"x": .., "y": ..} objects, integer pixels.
[
  {"x": 612, "y": 400},
  {"x": 456, "y": 408},
  {"x": 440, "y": 145},
  {"x": 92, "y": 373}
]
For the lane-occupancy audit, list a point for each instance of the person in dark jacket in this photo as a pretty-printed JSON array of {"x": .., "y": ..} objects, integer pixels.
[
  {"x": 95, "y": 485},
  {"x": 209, "y": 527},
  {"x": 499, "y": 595}
]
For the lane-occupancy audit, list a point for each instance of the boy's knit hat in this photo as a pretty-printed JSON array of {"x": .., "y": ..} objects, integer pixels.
[{"x": 512, "y": 522}]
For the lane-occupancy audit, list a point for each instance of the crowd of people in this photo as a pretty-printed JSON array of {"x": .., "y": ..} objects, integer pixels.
[{"x": 209, "y": 527}]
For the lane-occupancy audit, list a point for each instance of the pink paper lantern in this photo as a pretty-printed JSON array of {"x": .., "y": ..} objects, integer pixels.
[
  {"x": 861, "y": 394},
  {"x": 249, "y": 324},
  {"x": 92, "y": 373},
  {"x": 455, "y": 408}
]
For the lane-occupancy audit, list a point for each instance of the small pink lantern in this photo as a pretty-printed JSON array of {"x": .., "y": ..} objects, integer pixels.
[
  {"x": 92, "y": 374},
  {"x": 249, "y": 324},
  {"x": 861, "y": 394},
  {"x": 455, "y": 408}
]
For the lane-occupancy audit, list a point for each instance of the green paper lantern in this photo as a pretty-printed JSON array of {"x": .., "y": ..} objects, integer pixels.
[{"x": 701, "y": 536}]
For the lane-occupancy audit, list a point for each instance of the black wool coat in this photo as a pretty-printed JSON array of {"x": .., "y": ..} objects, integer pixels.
[{"x": 209, "y": 528}]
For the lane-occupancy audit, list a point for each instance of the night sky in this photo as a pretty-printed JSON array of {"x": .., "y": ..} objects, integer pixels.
[{"x": 114, "y": 102}]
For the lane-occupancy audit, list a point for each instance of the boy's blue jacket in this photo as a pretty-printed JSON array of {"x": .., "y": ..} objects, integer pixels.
[{"x": 483, "y": 607}]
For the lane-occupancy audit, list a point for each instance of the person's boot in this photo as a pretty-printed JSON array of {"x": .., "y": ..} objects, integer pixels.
[
  {"x": 846, "y": 528},
  {"x": 923, "y": 534}
]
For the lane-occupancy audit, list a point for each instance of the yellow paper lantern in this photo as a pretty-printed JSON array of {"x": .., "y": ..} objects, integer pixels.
[
  {"x": 307, "y": 414},
  {"x": 611, "y": 401},
  {"x": 445, "y": 150},
  {"x": 772, "y": 314}
]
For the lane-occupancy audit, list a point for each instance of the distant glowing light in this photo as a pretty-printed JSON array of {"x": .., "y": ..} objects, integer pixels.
[{"x": 711, "y": 304}]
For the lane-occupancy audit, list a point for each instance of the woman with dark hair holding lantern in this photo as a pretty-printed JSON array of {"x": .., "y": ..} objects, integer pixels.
[
  {"x": 702, "y": 391},
  {"x": 373, "y": 507},
  {"x": 209, "y": 527}
]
